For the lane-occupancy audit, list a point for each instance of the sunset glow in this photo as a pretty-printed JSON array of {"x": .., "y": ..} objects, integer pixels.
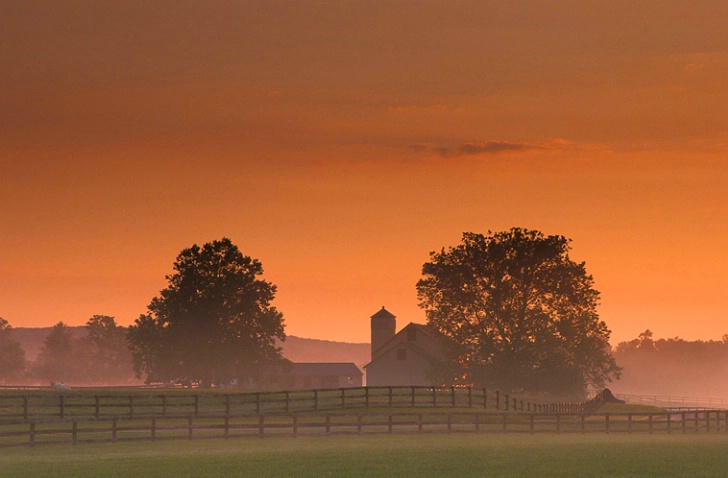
[{"x": 340, "y": 142}]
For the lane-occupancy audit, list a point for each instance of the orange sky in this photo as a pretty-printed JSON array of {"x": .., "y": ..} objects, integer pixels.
[{"x": 341, "y": 142}]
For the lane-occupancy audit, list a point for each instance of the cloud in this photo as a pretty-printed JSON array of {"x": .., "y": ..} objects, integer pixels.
[{"x": 491, "y": 147}]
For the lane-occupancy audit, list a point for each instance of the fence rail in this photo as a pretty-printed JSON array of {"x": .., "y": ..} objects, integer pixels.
[
  {"x": 176, "y": 427},
  {"x": 85, "y": 404},
  {"x": 670, "y": 401}
]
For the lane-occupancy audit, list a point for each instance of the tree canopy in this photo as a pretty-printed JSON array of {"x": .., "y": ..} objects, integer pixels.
[
  {"x": 107, "y": 359},
  {"x": 12, "y": 355},
  {"x": 57, "y": 360},
  {"x": 213, "y": 323},
  {"x": 519, "y": 314}
]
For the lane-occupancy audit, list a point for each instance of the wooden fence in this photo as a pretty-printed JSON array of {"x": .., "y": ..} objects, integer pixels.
[
  {"x": 171, "y": 427},
  {"x": 86, "y": 404}
]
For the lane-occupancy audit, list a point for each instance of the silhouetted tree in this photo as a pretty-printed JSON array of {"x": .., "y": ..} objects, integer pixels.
[
  {"x": 12, "y": 355},
  {"x": 519, "y": 313},
  {"x": 106, "y": 351},
  {"x": 213, "y": 323},
  {"x": 57, "y": 360}
]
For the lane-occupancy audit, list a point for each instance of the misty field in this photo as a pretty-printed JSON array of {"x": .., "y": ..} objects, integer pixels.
[{"x": 384, "y": 455}]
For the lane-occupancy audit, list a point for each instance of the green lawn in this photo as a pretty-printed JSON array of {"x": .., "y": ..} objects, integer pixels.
[{"x": 466, "y": 455}]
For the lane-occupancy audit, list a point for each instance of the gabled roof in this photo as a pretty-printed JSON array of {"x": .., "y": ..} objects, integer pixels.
[
  {"x": 395, "y": 341},
  {"x": 383, "y": 314},
  {"x": 348, "y": 369}
]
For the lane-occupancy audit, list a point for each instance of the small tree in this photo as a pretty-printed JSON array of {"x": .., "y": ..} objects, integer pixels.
[
  {"x": 12, "y": 355},
  {"x": 57, "y": 361},
  {"x": 518, "y": 313},
  {"x": 213, "y": 323},
  {"x": 106, "y": 350}
]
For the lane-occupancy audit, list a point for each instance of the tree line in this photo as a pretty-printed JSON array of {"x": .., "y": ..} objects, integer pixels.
[
  {"x": 512, "y": 309},
  {"x": 102, "y": 356}
]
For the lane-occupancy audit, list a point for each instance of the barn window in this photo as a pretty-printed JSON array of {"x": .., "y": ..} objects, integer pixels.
[
  {"x": 411, "y": 334},
  {"x": 401, "y": 354}
]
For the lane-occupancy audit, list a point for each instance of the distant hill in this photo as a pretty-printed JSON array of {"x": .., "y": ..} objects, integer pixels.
[{"x": 295, "y": 349}]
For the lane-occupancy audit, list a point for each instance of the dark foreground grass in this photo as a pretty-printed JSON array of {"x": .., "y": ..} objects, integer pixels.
[{"x": 408, "y": 456}]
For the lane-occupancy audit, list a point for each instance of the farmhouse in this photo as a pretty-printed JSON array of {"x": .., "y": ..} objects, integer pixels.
[{"x": 402, "y": 358}]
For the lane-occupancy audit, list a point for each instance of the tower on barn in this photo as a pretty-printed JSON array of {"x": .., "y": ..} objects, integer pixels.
[{"x": 383, "y": 326}]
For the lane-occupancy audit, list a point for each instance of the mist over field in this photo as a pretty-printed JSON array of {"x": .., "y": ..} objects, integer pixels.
[{"x": 651, "y": 367}]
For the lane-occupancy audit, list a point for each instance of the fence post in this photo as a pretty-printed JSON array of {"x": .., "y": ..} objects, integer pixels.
[
  {"x": 470, "y": 396},
  {"x": 131, "y": 406},
  {"x": 485, "y": 398},
  {"x": 669, "y": 423},
  {"x": 113, "y": 429},
  {"x": 154, "y": 428},
  {"x": 697, "y": 426},
  {"x": 61, "y": 406},
  {"x": 98, "y": 406},
  {"x": 497, "y": 399},
  {"x": 315, "y": 400},
  {"x": 707, "y": 420},
  {"x": 684, "y": 425},
  {"x": 366, "y": 397},
  {"x": 530, "y": 424},
  {"x": 717, "y": 421},
  {"x": 189, "y": 427},
  {"x": 227, "y": 404},
  {"x": 25, "y": 408},
  {"x": 257, "y": 403},
  {"x": 413, "y": 395},
  {"x": 507, "y": 400},
  {"x": 343, "y": 398},
  {"x": 390, "y": 396},
  {"x": 629, "y": 423},
  {"x": 197, "y": 405},
  {"x": 434, "y": 397},
  {"x": 288, "y": 401},
  {"x": 227, "y": 427},
  {"x": 606, "y": 423},
  {"x": 164, "y": 405},
  {"x": 649, "y": 420}
]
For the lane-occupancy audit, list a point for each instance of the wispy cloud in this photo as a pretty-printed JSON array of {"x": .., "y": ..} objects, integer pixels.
[{"x": 491, "y": 147}]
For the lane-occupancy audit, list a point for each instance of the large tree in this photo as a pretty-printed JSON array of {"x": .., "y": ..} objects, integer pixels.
[
  {"x": 12, "y": 355},
  {"x": 213, "y": 323},
  {"x": 519, "y": 314}
]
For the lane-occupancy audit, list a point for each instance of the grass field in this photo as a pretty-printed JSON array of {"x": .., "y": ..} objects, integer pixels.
[{"x": 541, "y": 456}]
